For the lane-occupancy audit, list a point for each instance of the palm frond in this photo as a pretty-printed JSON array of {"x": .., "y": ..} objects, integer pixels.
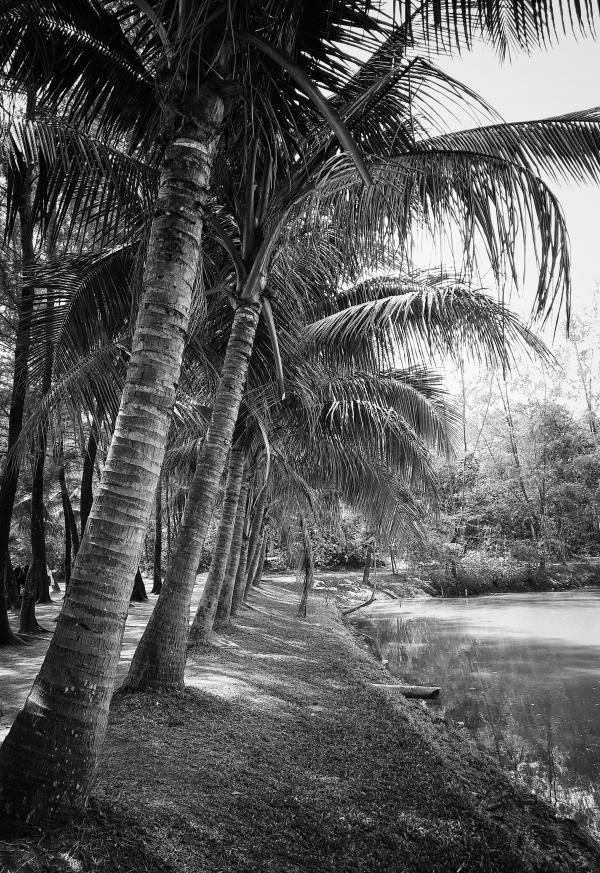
[
  {"x": 412, "y": 324},
  {"x": 95, "y": 191}
]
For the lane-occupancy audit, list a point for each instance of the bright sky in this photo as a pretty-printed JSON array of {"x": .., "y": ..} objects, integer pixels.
[{"x": 552, "y": 82}]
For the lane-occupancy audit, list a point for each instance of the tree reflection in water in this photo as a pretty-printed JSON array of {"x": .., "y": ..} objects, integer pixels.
[{"x": 532, "y": 702}]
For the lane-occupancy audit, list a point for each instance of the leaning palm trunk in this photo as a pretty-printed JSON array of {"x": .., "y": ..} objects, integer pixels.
[
  {"x": 205, "y": 614},
  {"x": 240, "y": 576},
  {"x": 157, "y": 566},
  {"x": 44, "y": 777},
  {"x": 159, "y": 660},
  {"x": 10, "y": 476},
  {"x": 255, "y": 543},
  {"x": 223, "y": 612},
  {"x": 87, "y": 475},
  {"x": 255, "y": 579}
]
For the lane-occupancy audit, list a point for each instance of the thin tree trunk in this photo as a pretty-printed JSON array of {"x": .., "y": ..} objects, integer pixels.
[
  {"x": 255, "y": 544},
  {"x": 71, "y": 532},
  {"x": 255, "y": 580},
  {"x": 226, "y": 596},
  {"x": 157, "y": 567},
  {"x": 308, "y": 565},
  {"x": 159, "y": 660},
  {"x": 365, "y": 582},
  {"x": 207, "y": 607},
  {"x": 167, "y": 501},
  {"x": 240, "y": 576},
  {"x": 10, "y": 477},
  {"x": 87, "y": 476},
  {"x": 38, "y": 526},
  {"x": 13, "y": 595},
  {"x": 68, "y": 549},
  {"x": 7, "y": 637},
  {"x": 43, "y": 778}
]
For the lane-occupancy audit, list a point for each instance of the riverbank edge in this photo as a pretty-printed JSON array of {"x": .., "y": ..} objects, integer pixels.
[
  {"x": 478, "y": 578},
  {"x": 444, "y": 801}
]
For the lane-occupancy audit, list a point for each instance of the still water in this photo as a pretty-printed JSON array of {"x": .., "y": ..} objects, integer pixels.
[{"x": 521, "y": 672}]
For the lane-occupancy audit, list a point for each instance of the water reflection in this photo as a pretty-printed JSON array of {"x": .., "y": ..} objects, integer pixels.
[{"x": 522, "y": 673}]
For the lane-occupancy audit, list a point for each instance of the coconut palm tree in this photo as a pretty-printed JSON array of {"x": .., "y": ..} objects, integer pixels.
[
  {"x": 113, "y": 82},
  {"x": 146, "y": 73}
]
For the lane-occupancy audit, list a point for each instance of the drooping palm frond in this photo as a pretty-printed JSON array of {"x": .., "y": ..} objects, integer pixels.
[
  {"x": 94, "y": 384},
  {"x": 76, "y": 55},
  {"x": 508, "y": 26},
  {"x": 482, "y": 201},
  {"x": 92, "y": 302},
  {"x": 418, "y": 395},
  {"x": 565, "y": 147},
  {"x": 414, "y": 323},
  {"x": 88, "y": 191}
]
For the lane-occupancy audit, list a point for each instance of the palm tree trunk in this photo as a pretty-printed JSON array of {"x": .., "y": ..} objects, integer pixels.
[
  {"x": 205, "y": 614},
  {"x": 254, "y": 552},
  {"x": 13, "y": 595},
  {"x": 157, "y": 566},
  {"x": 7, "y": 637},
  {"x": 10, "y": 477},
  {"x": 308, "y": 565},
  {"x": 168, "y": 503},
  {"x": 87, "y": 476},
  {"x": 223, "y": 612},
  {"x": 39, "y": 584},
  {"x": 254, "y": 581},
  {"x": 159, "y": 660},
  {"x": 240, "y": 577},
  {"x": 67, "y": 507},
  {"x": 43, "y": 778},
  {"x": 68, "y": 549}
]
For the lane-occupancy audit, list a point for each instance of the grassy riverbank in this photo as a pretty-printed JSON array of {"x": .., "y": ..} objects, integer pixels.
[
  {"x": 282, "y": 756},
  {"x": 472, "y": 575}
]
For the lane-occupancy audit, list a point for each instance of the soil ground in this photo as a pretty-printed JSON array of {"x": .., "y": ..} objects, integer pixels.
[{"x": 281, "y": 757}]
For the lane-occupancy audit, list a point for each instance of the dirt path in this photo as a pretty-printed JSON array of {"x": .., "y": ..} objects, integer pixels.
[
  {"x": 19, "y": 666},
  {"x": 281, "y": 757}
]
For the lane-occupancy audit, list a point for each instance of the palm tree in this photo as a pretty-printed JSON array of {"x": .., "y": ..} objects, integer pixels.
[
  {"x": 85, "y": 64},
  {"x": 117, "y": 72}
]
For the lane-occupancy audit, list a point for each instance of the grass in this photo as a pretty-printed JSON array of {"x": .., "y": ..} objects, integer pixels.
[{"x": 281, "y": 757}]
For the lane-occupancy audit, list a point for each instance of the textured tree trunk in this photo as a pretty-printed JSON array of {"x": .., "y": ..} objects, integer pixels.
[
  {"x": 13, "y": 595},
  {"x": 223, "y": 612},
  {"x": 207, "y": 607},
  {"x": 7, "y": 637},
  {"x": 71, "y": 532},
  {"x": 240, "y": 576},
  {"x": 68, "y": 551},
  {"x": 68, "y": 509},
  {"x": 308, "y": 565},
  {"x": 255, "y": 579},
  {"x": 157, "y": 567},
  {"x": 44, "y": 777},
  {"x": 255, "y": 543},
  {"x": 10, "y": 477},
  {"x": 87, "y": 476},
  {"x": 254, "y": 556},
  {"x": 159, "y": 660},
  {"x": 38, "y": 526},
  {"x": 168, "y": 504}
]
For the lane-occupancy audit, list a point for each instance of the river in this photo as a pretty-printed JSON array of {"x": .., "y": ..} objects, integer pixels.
[{"x": 521, "y": 672}]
